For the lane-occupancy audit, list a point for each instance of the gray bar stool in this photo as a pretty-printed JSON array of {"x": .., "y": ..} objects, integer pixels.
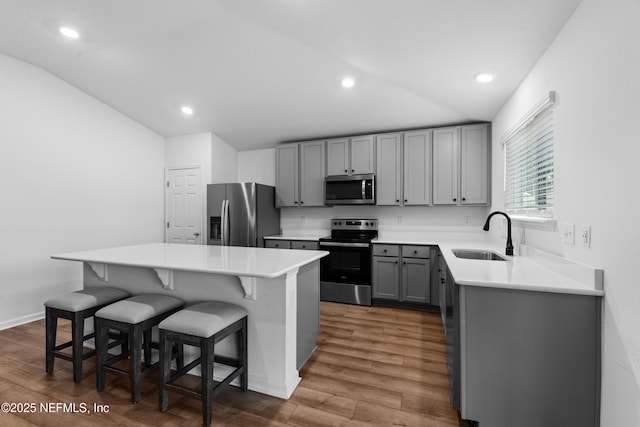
[
  {"x": 203, "y": 325},
  {"x": 75, "y": 306},
  {"x": 135, "y": 316}
]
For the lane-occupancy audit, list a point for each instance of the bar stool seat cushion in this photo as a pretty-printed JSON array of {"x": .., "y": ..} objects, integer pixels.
[
  {"x": 204, "y": 319},
  {"x": 86, "y": 298},
  {"x": 139, "y": 308}
]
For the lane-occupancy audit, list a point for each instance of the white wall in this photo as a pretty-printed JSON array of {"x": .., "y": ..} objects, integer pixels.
[
  {"x": 257, "y": 166},
  {"x": 594, "y": 65},
  {"x": 224, "y": 161},
  {"x": 190, "y": 150},
  {"x": 77, "y": 175}
]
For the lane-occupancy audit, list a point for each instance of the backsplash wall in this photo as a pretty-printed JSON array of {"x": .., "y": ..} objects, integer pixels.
[{"x": 390, "y": 218}]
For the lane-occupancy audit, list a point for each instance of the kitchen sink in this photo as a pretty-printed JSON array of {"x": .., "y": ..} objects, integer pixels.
[{"x": 478, "y": 254}]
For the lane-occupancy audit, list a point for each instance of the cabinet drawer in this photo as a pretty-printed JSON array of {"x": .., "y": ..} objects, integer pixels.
[
  {"x": 416, "y": 251},
  {"x": 386, "y": 250},
  {"x": 304, "y": 244},
  {"x": 282, "y": 244}
]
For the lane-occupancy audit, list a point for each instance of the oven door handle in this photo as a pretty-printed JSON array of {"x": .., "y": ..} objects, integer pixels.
[{"x": 345, "y": 245}]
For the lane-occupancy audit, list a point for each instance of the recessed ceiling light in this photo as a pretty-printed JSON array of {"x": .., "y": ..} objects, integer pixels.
[
  {"x": 69, "y": 32},
  {"x": 484, "y": 77},
  {"x": 187, "y": 110},
  {"x": 347, "y": 82}
]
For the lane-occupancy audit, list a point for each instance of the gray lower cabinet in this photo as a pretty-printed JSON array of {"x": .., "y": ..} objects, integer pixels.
[
  {"x": 277, "y": 243},
  {"x": 522, "y": 358},
  {"x": 402, "y": 273},
  {"x": 291, "y": 244}
]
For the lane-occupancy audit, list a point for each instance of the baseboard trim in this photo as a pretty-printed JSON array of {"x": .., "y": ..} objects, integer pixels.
[{"x": 21, "y": 320}]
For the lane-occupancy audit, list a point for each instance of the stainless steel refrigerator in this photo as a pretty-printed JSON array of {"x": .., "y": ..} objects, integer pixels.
[{"x": 241, "y": 214}]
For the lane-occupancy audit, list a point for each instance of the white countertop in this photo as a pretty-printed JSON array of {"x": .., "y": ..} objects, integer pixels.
[
  {"x": 228, "y": 260},
  {"x": 531, "y": 271}
]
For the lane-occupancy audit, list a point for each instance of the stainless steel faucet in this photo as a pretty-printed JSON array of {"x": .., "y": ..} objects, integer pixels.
[{"x": 509, "y": 250}]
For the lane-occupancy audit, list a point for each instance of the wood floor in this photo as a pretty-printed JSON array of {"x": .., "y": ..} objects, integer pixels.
[{"x": 374, "y": 366}]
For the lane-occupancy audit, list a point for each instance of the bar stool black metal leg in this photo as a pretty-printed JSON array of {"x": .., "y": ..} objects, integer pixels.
[
  {"x": 135, "y": 372},
  {"x": 51, "y": 329},
  {"x": 165, "y": 370},
  {"x": 243, "y": 356},
  {"x": 77, "y": 332},
  {"x": 102, "y": 344},
  {"x": 206, "y": 366}
]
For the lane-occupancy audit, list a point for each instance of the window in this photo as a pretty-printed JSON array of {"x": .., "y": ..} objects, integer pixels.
[{"x": 529, "y": 162}]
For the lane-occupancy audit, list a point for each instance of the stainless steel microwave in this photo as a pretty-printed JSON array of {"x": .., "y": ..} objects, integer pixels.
[{"x": 350, "y": 190}]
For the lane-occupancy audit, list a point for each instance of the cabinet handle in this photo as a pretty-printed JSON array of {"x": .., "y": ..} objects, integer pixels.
[
  {"x": 415, "y": 252},
  {"x": 352, "y": 170},
  {"x": 395, "y": 262},
  {"x": 442, "y": 280},
  {"x": 405, "y": 200},
  {"x": 301, "y": 203},
  {"x": 404, "y": 262},
  {"x": 464, "y": 199},
  {"x": 384, "y": 250},
  {"x": 345, "y": 171},
  {"x": 397, "y": 200},
  {"x": 454, "y": 199}
]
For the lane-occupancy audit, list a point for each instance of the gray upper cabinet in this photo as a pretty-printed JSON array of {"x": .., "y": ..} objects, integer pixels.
[
  {"x": 338, "y": 157},
  {"x": 389, "y": 169},
  {"x": 461, "y": 165},
  {"x": 312, "y": 165},
  {"x": 287, "y": 184},
  {"x": 300, "y": 174},
  {"x": 441, "y": 166},
  {"x": 351, "y": 156},
  {"x": 445, "y": 166},
  {"x": 404, "y": 168},
  {"x": 474, "y": 165},
  {"x": 417, "y": 167}
]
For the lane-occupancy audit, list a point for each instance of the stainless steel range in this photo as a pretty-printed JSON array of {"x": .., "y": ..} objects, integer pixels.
[{"x": 345, "y": 275}]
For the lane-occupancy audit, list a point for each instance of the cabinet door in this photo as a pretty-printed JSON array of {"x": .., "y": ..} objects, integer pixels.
[
  {"x": 445, "y": 166},
  {"x": 386, "y": 278},
  {"x": 417, "y": 167},
  {"x": 474, "y": 159},
  {"x": 312, "y": 166},
  {"x": 415, "y": 280},
  {"x": 362, "y": 155},
  {"x": 287, "y": 175},
  {"x": 389, "y": 166},
  {"x": 338, "y": 156}
]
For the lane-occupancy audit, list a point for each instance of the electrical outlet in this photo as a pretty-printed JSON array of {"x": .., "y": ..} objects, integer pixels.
[
  {"x": 586, "y": 236},
  {"x": 569, "y": 234},
  {"x": 400, "y": 219},
  {"x": 466, "y": 219}
]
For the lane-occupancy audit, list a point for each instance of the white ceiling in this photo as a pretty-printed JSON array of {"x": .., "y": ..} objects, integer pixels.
[{"x": 258, "y": 72}]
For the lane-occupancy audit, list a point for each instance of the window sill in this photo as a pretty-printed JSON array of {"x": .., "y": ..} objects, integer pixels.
[{"x": 534, "y": 223}]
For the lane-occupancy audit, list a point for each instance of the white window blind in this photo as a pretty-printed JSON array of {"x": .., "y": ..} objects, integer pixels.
[{"x": 529, "y": 162}]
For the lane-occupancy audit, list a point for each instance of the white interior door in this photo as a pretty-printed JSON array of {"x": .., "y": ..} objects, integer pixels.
[{"x": 183, "y": 206}]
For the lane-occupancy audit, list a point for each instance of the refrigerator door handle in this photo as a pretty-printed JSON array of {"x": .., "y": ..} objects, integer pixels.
[{"x": 225, "y": 222}]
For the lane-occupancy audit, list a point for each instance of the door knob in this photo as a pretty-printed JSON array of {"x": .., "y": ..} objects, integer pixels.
[{"x": 196, "y": 234}]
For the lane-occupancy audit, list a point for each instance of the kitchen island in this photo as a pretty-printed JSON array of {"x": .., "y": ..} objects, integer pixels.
[{"x": 279, "y": 289}]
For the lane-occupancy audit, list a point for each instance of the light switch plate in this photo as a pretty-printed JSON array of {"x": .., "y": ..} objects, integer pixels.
[
  {"x": 586, "y": 236},
  {"x": 569, "y": 234}
]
